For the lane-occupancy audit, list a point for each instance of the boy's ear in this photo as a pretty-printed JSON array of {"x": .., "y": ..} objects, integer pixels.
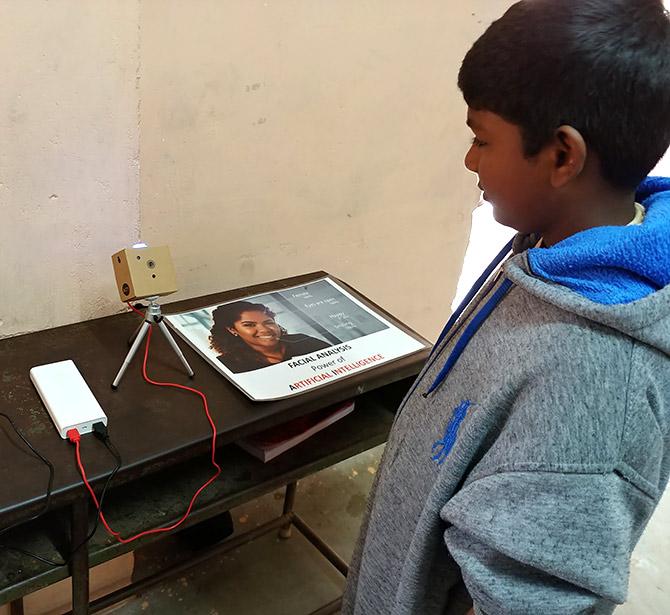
[{"x": 569, "y": 155}]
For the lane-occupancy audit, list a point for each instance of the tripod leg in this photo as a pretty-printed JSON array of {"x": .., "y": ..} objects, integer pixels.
[
  {"x": 133, "y": 337},
  {"x": 180, "y": 354},
  {"x": 131, "y": 353}
]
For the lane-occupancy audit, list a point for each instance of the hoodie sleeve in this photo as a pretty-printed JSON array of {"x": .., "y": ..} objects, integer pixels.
[{"x": 545, "y": 542}]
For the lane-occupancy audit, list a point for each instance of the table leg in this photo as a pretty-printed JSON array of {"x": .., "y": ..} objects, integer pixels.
[
  {"x": 16, "y": 607},
  {"x": 79, "y": 562},
  {"x": 289, "y": 500}
]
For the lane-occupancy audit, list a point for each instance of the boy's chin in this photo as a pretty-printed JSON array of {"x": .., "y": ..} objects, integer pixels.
[
  {"x": 498, "y": 214},
  {"x": 500, "y": 217}
]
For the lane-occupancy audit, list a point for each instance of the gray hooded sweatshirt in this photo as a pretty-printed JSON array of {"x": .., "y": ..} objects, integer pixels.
[{"x": 528, "y": 457}]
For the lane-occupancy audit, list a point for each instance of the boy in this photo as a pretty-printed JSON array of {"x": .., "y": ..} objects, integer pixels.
[{"x": 531, "y": 451}]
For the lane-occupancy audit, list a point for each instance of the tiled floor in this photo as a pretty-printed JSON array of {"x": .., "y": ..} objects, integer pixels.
[{"x": 283, "y": 577}]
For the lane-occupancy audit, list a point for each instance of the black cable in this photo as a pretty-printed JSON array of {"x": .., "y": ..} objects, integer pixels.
[
  {"x": 47, "y": 499},
  {"x": 34, "y": 556},
  {"x": 100, "y": 431}
]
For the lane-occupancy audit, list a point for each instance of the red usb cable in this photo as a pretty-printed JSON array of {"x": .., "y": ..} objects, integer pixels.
[{"x": 74, "y": 437}]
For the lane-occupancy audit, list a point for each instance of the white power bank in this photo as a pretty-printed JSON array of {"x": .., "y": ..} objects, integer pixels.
[{"x": 71, "y": 404}]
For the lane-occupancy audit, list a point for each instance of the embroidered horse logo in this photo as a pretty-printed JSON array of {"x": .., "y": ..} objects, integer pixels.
[{"x": 442, "y": 447}]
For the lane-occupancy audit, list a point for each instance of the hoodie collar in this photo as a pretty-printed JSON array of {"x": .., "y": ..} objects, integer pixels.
[{"x": 614, "y": 265}]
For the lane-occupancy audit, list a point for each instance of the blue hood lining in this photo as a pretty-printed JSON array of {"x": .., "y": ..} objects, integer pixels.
[{"x": 613, "y": 265}]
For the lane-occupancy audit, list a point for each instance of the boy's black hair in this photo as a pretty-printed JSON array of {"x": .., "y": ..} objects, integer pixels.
[{"x": 600, "y": 66}]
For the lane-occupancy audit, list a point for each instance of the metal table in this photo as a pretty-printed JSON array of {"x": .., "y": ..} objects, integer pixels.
[{"x": 159, "y": 431}]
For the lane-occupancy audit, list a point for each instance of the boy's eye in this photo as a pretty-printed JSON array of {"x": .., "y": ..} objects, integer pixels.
[{"x": 477, "y": 142}]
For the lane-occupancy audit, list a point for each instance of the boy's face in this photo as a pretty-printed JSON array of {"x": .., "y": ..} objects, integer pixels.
[{"x": 517, "y": 187}]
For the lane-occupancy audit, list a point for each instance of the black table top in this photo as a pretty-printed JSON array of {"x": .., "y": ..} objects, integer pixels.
[{"x": 152, "y": 427}]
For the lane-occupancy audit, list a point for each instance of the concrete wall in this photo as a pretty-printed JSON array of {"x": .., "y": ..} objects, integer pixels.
[
  {"x": 283, "y": 137},
  {"x": 258, "y": 139},
  {"x": 69, "y": 174}
]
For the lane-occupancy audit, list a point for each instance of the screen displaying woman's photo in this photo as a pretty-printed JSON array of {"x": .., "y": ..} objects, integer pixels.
[{"x": 308, "y": 329}]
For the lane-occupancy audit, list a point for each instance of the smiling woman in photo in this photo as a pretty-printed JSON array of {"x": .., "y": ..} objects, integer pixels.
[{"x": 247, "y": 337}]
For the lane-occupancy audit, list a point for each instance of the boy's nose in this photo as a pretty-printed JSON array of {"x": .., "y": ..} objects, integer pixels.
[{"x": 471, "y": 160}]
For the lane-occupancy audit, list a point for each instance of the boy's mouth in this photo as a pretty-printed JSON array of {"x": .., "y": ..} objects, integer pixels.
[{"x": 485, "y": 196}]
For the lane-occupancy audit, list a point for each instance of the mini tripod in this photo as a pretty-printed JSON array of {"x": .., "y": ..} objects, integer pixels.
[{"x": 151, "y": 316}]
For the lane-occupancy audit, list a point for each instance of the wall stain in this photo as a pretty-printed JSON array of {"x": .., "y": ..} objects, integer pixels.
[{"x": 247, "y": 268}]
